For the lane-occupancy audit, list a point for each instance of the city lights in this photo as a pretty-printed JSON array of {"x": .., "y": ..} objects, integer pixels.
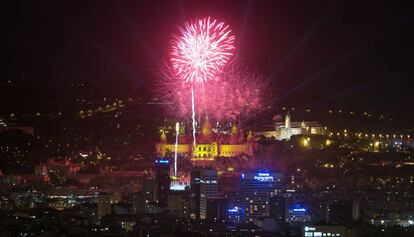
[{"x": 200, "y": 118}]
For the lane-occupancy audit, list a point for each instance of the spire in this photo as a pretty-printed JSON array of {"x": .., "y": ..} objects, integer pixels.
[
  {"x": 287, "y": 120},
  {"x": 163, "y": 137},
  {"x": 234, "y": 130},
  {"x": 206, "y": 128},
  {"x": 182, "y": 129},
  {"x": 250, "y": 136}
]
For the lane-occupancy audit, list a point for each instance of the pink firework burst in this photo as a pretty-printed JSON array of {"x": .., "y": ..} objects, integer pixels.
[
  {"x": 202, "y": 50},
  {"x": 238, "y": 94}
]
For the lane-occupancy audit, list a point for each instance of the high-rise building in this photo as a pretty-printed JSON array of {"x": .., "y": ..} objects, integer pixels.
[
  {"x": 257, "y": 188},
  {"x": 277, "y": 207},
  {"x": 162, "y": 173},
  {"x": 195, "y": 194},
  {"x": 217, "y": 209},
  {"x": 339, "y": 211},
  {"x": 175, "y": 203},
  {"x": 355, "y": 210},
  {"x": 208, "y": 189}
]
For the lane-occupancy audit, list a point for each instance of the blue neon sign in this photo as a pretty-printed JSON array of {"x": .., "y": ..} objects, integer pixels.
[
  {"x": 298, "y": 208},
  {"x": 233, "y": 210},
  {"x": 263, "y": 177},
  {"x": 162, "y": 161}
]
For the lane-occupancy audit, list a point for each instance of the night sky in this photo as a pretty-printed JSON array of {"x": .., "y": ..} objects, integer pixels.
[{"x": 321, "y": 54}]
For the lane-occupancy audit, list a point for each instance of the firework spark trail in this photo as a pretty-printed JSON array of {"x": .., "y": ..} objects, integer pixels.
[
  {"x": 200, "y": 54},
  {"x": 193, "y": 114},
  {"x": 177, "y": 130}
]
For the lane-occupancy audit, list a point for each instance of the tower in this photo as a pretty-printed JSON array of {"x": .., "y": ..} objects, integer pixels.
[
  {"x": 208, "y": 189},
  {"x": 206, "y": 131},
  {"x": 162, "y": 173},
  {"x": 287, "y": 130},
  {"x": 181, "y": 135},
  {"x": 234, "y": 134},
  {"x": 163, "y": 141},
  {"x": 250, "y": 143},
  {"x": 287, "y": 121},
  {"x": 195, "y": 194},
  {"x": 257, "y": 188}
]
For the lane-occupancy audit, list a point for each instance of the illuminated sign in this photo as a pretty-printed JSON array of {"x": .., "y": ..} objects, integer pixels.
[
  {"x": 263, "y": 177},
  {"x": 299, "y": 209},
  {"x": 162, "y": 161},
  {"x": 307, "y": 228},
  {"x": 234, "y": 209},
  {"x": 178, "y": 187}
]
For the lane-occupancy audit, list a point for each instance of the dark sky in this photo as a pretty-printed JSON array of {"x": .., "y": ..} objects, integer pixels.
[{"x": 350, "y": 54}]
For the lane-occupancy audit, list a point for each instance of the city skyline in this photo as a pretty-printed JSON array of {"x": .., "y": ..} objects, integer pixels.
[{"x": 207, "y": 118}]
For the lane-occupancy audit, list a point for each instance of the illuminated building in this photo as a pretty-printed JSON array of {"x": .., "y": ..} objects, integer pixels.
[
  {"x": 328, "y": 230},
  {"x": 285, "y": 130},
  {"x": 277, "y": 207},
  {"x": 297, "y": 213},
  {"x": 257, "y": 188},
  {"x": 61, "y": 198},
  {"x": 235, "y": 214},
  {"x": 177, "y": 203},
  {"x": 162, "y": 173},
  {"x": 211, "y": 143},
  {"x": 217, "y": 209},
  {"x": 195, "y": 194},
  {"x": 208, "y": 189}
]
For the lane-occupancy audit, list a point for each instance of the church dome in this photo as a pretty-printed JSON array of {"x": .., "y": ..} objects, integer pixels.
[{"x": 250, "y": 137}]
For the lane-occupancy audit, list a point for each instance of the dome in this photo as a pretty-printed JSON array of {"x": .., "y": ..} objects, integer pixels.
[{"x": 250, "y": 137}]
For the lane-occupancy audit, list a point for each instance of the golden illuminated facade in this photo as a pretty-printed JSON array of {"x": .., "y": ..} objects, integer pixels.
[{"x": 209, "y": 145}]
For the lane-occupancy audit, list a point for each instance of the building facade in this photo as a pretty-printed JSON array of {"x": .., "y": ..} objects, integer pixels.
[
  {"x": 257, "y": 188},
  {"x": 285, "y": 130},
  {"x": 211, "y": 143},
  {"x": 208, "y": 189}
]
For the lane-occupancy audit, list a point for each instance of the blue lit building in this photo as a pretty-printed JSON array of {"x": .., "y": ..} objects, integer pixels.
[
  {"x": 257, "y": 188},
  {"x": 235, "y": 214},
  {"x": 297, "y": 213}
]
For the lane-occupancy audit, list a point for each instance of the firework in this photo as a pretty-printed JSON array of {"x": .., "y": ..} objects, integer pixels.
[
  {"x": 202, "y": 50},
  {"x": 239, "y": 93},
  {"x": 200, "y": 53}
]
